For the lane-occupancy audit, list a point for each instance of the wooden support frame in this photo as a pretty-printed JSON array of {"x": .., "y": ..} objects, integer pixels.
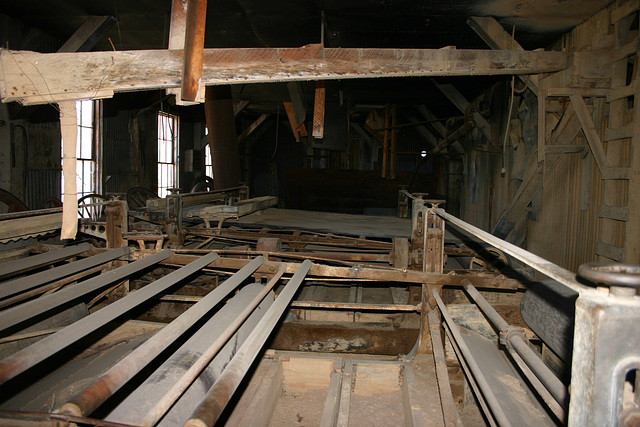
[
  {"x": 88, "y": 35},
  {"x": 462, "y": 104},
  {"x": 589, "y": 131},
  {"x": 37, "y": 78},
  {"x": 252, "y": 127},
  {"x": 318, "y": 110},
  {"x": 499, "y": 39}
]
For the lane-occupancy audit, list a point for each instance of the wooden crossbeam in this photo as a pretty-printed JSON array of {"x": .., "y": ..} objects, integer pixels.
[
  {"x": 39, "y": 78},
  {"x": 498, "y": 38},
  {"x": 252, "y": 127},
  {"x": 589, "y": 131},
  {"x": 461, "y": 103},
  {"x": 89, "y": 34}
]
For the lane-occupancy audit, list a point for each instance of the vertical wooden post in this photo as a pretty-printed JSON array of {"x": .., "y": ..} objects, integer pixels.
[
  {"x": 394, "y": 122},
  {"x": 385, "y": 145},
  {"x": 69, "y": 131},
  {"x": 318, "y": 110},
  {"x": 193, "y": 49}
]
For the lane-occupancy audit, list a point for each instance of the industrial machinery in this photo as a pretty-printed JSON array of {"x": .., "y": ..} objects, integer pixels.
[{"x": 253, "y": 315}]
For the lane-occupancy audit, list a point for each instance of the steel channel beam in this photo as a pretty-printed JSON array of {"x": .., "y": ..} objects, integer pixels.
[
  {"x": 26, "y": 283},
  {"x": 95, "y": 394},
  {"x": 31, "y": 262},
  {"x": 545, "y": 267},
  {"x": 36, "y": 353},
  {"x": 481, "y": 381},
  {"x": 449, "y": 411},
  {"x": 163, "y": 405},
  {"x": 36, "y": 307},
  {"x": 532, "y": 360},
  {"x": 220, "y": 393}
]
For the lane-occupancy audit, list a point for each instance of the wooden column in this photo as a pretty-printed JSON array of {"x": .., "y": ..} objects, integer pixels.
[
  {"x": 223, "y": 141},
  {"x": 385, "y": 146},
  {"x": 193, "y": 49}
]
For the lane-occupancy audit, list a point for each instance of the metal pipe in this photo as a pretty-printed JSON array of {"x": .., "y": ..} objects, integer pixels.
[
  {"x": 220, "y": 393},
  {"x": 533, "y": 361},
  {"x": 490, "y": 398},
  {"x": 449, "y": 411},
  {"x": 162, "y": 406},
  {"x": 488, "y": 310},
  {"x": 193, "y": 48},
  {"x": 36, "y": 307},
  {"x": 36, "y": 353},
  {"x": 25, "y": 283},
  {"x": 41, "y": 260},
  {"x": 95, "y": 394},
  {"x": 545, "y": 267}
]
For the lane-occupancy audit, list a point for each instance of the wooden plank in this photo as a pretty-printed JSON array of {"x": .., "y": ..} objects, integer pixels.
[
  {"x": 89, "y": 34},
  {"x": 609, "y": 251},
  {"x": 612, "y": 173},
  {"x": 461, "y": 103},
  {"x": 632, "y": 228},
  {"x": 626, "y": 50},
  {"x": 178, "y": 24},
  {"x": 622, "y": 92},
  {"x": 590, "y": 131},
  {"x": 568, "y": 91},
  {"x": 345, "y": 394},
  {"x": 38, "y": 78},
  {"x": 618, "y": 213},
  {"x": 331, "y": 403},
  {"x": 296, "y": 95},
  {"x": 499, "y": 39},
  {"x": 542, "y": 124},
  {"x": 565, "y": 149},
  {"x": 626, "y": 131},
  {"x": 298, "y": 131},
  {"x": 252, "y": 127},
  {"x": 259, "y": 399},
  {"x": 622, "y": 11},
  {"x": 318, "y": 110}
]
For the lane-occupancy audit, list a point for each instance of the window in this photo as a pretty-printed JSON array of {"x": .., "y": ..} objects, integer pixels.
[
  {"x": 208, "y": 161},
  {"x": 167, "y": 152},
  {"x": 86, "y": 164}
]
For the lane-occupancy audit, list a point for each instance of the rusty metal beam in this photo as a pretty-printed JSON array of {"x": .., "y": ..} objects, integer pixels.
[
  {"x": 38, "y": 78},
  {"x": 193, "y": 48},
  {"x": 216, "y": 399}
]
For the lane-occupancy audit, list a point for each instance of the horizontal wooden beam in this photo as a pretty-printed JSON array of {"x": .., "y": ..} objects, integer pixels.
[{"x": 38, "y": 78}]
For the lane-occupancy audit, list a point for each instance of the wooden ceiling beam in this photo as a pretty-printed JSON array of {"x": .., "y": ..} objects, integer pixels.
[
  {"x": 89, "y": 34},
  {"x": 37, "y": 78}
]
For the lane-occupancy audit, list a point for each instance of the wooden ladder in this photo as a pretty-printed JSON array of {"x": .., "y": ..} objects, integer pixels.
[{"x": 620, "y": 211}]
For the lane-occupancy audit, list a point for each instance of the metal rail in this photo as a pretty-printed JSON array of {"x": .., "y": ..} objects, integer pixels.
[
  {"x": 36, "y": 307},
  {"x": 220, "y": 393},
  {"x": 162, "y": 406},
  {"x": 40, "y": 260},
  {"x": 36, "y": 353},
  {"x": 26, "y": 283},
  {"x": 547, "y": 268},
  {"x": 490, "y": 398},
  {"x": 97, "y": 393}
]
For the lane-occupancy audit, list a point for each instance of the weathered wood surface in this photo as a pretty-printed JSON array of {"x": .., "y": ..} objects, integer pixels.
[{"x": 37, "y": 78}]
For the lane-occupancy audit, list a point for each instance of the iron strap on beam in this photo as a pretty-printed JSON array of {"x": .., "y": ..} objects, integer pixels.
[{"x": 36, "y": 78}]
